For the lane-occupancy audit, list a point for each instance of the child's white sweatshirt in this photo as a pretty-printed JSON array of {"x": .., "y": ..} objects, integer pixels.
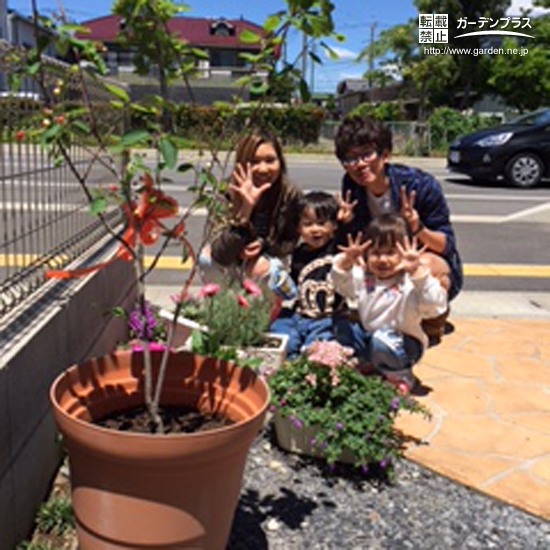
[{"x": 400, "y": 302}]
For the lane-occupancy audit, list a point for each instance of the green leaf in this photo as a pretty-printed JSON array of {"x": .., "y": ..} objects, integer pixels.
[
  {"x": 69, "y": 27},
  {"x": 243, "y": 81},
  {"x": 98, "y": 205},
  {"x": 118, "y": 311},
  {"x": 131, "y": 138},
  {"x": 116, "y": 103},
  {"x": 33, "y": 68},
  {"x": 258, "y": 87},
  {"x": 169, "y": 152},
  {"x": 185, "y": 167},
  {"x": 251, "y": 57},
  {"x": 118, "y": 91},
  {"x": 81, "y": 126},
  {"x": 197, "y": 52},
  {"x": 304, "y": 91},
  {"x": 315, "y": 58},
  {"x": 332, "y": 54},
  {"x": 249, "y": 37},
  {"x": 272, "y": 22}
]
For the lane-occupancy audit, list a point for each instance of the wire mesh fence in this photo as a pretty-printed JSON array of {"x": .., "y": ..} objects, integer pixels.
[{"x": 44, "y": 216}]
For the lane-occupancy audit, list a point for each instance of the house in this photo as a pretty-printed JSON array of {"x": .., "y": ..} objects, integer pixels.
[
  {"x": 19, "y": 30},
  {"x": 216, "y": 77},
  {"x": 354, "y": 91}
]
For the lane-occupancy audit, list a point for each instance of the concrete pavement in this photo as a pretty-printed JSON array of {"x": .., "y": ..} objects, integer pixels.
[{"x": 487, "y": 385}]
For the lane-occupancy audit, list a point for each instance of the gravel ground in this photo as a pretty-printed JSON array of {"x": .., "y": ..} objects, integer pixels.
[{"x": 288, "y": 503}]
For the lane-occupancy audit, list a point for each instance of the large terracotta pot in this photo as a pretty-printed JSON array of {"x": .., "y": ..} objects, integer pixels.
[{"x": 150, "y": 491}]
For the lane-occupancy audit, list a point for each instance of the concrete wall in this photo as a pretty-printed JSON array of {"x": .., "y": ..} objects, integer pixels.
[{"x": 67, "y": 323}]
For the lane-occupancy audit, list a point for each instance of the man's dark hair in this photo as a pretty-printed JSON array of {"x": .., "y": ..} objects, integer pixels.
[
  {"x": 386, "y": 230},
  {"x": 324, "y": 205},
  {"x": 358, "y": 131}
]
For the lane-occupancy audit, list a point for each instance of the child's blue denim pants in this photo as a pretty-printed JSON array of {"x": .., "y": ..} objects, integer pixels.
[
  {"x": 387, "y": 350},
  {"x": 302, "y": 331}
]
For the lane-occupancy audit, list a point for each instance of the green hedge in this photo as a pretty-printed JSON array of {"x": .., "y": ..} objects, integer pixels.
[
  {"x": 293, "y": 124},
  {"x": 447, "y": 124}
]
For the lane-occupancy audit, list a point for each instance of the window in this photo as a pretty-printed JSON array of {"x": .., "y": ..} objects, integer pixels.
[{"x": 222, "y": 28}]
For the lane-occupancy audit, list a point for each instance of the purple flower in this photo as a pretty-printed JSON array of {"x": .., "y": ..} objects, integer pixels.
[
  {"x": 394, "y": 404},
  {"x": 339, "y": 426},
  {"x": 272, "y": 408},
  {"x": 365, "y": 468},
  {"x": 142, "y": 325},
  {"x": 313, "y": 442},
  {"x": 385, "y": 462},
  {"x": 296, "y": 422}
]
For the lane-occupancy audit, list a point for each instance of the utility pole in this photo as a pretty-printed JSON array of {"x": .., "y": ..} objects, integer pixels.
[
  {"x": 312, "y": 72},
  {"x": 304, "y": 56},
  {"x": 371, "y": 53}
]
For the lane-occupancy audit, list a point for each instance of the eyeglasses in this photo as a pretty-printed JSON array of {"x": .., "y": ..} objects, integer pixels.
[{"x": 364, "y": 156}]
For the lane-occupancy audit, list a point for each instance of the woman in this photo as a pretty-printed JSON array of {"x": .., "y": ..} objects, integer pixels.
[{"x": 264, "y": 205}]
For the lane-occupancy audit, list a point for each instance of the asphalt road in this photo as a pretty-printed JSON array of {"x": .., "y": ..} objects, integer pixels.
[{"x": 503, "y": 233}]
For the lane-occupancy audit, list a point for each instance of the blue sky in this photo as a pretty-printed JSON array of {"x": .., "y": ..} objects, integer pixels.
[{"x": 353, "y": 18}]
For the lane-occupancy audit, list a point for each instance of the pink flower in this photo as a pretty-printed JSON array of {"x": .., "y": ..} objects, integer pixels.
[
  {"x": 252, "y": 288},
  {"x": 153, "y": 346},
  {"x": 243, "y": 302},
  {"x": 209, "y": 289},
  {"x": 330, "y": 353},
  {"x": 311, "y": 378}
]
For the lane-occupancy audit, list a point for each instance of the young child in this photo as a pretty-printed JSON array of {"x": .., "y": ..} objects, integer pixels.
[
  {"x": 398, "y": 292},
  {"x": 311, "y": 317}
]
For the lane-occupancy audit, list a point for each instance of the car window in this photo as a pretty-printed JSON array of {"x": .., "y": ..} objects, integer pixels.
[{"x": 537, "y": 118}]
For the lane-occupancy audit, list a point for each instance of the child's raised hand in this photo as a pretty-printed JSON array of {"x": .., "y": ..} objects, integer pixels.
[
  {"x": 345, "y": 208},
  {"x": 243, "y": 186},
  {"x": 410, "y": 255},
  {"x": 354, "y": 252}
]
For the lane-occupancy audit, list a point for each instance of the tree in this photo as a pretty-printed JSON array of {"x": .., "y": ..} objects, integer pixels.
[
  {"x": 471, "y": 71},
  {"x": 430, "y": 77},
  {"x": 523, "y": 81}
]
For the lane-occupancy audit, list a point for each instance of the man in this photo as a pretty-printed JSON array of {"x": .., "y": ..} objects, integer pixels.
[{"x": 376, "y": 186}]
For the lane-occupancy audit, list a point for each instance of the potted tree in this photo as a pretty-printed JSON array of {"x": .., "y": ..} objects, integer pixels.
[{"x": 152, "y": 486}]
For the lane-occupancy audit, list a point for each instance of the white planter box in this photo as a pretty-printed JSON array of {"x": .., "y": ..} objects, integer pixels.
[
  {"x": 298, "y": 440},
  {"x": 183, "y": 329},
  {"x": 272, "y": 357}
]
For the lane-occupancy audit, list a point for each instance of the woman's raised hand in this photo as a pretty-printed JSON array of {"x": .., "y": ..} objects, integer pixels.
[{"x": 244, "y": 188}]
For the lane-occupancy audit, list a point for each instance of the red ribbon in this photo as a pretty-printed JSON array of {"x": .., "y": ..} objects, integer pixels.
[{"x": 153, "y": 205}]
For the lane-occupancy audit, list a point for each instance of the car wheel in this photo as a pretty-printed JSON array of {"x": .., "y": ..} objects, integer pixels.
[{"x": 524, "y": 170}]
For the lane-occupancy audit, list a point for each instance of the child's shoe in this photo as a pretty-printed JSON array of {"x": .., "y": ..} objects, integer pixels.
[
  {"x": 435, "y": 327},
  {"x": 403, "y": 380}
]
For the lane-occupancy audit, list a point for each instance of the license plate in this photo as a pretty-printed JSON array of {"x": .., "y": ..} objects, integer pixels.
[{"x": 454, "y": 156}]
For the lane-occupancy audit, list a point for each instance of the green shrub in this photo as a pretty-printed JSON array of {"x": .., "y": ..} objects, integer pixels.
[
  {"x": 384, "y": 111},
  {"x": 292, "y": 123}
]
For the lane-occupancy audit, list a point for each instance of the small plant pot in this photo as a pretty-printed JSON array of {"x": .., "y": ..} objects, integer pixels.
[
  {"x": 150, "y": 491},
  {"x": 182, "y": 330}
]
